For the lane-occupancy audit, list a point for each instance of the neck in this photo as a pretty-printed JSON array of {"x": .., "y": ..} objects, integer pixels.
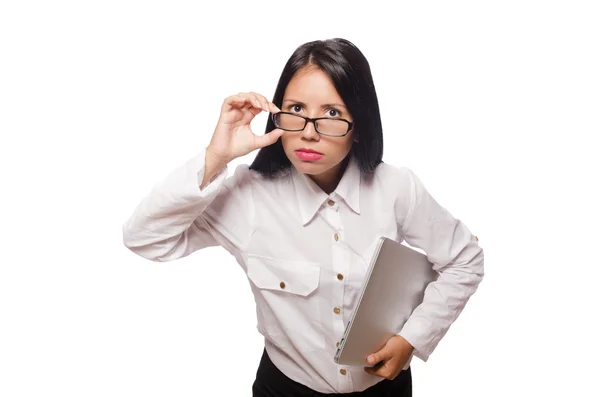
[{"x": 329, "y": 179}]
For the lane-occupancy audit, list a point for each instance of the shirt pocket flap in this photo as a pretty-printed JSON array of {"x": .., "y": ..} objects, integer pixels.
[{"x": 299, "y": 278}]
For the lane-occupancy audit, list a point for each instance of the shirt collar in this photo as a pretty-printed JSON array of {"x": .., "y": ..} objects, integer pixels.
[
  {"x": 349, "y": 186},
  {"x": 311, "y": 197}
]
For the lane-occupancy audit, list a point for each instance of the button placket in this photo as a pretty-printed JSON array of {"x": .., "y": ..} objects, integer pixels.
[{"x": 340, "y": 267}]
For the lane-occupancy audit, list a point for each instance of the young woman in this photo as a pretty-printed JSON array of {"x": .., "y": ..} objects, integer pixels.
[{"x": 302, "y": 222}]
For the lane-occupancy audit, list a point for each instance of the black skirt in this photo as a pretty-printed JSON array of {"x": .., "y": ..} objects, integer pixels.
[{"x": 271, "y": 382}]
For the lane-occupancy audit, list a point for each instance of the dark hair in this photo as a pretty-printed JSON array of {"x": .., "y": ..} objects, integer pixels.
[{"x": 351, "y": 76}]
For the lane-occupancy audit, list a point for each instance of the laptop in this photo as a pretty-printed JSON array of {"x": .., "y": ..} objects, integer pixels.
[{"x": 394, "y": 286}]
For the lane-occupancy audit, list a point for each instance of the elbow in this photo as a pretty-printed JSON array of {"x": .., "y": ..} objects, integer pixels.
[
  {"x": 468, "y": 272},
  {"x": 479, "y": 267},
  {"x": 137, "y": 242},
  {"x": 474, "y": 268},
  {"x": 475, "y": 272}
]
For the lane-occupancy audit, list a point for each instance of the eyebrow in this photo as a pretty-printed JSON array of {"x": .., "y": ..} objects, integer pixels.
[{"x": 322, "y": 106}]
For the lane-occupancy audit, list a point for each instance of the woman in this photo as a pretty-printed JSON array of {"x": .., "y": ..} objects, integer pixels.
[{"x": 302, "y": 221}]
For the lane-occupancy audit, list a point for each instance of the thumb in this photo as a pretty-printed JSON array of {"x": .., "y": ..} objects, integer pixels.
[
  {"x": 268, "y": 138},
  {"x": 382, "y": 355}
]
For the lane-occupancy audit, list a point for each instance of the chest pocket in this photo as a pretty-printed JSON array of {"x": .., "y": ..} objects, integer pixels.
[{"x": 287, "y": 302}]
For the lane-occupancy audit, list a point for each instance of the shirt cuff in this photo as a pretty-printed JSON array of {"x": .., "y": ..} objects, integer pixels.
[
  {"x": 199, "y": 164},
  {"x": 411, "y": 335}
]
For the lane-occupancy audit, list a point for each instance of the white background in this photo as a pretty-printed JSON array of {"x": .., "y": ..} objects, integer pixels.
[{"x": 495, "y": 105}]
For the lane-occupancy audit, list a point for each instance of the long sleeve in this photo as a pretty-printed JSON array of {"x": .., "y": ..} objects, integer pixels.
[
  {"x": 455, "y": 254},
  {"x": 177, "y": 218}
]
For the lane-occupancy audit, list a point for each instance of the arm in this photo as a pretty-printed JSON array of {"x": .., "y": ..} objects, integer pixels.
[
  {"x": 195, "y": 206},
  {"x": 179, "y": 216},
  {"x": 455, "y": 253}
]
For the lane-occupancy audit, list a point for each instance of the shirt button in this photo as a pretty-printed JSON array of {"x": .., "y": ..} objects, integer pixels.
[
  {"x": 337, "y": 344},
  {"x": 476, "y": 238},
  {"x": 343, "y": 371},
  {"x": 336, "y": 237},
  {"x": 336, "y": 310},
  {"x": 340, "y": 276},
  {"x": 331, "y": 203},
  {"x": 282, "y": 285}
]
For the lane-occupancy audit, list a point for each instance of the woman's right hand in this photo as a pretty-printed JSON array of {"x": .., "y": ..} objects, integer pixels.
[{"x": 233, "y": 137}]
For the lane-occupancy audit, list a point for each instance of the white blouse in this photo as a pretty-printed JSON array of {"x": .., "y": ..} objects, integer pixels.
[{"x": 306, "y": 253}]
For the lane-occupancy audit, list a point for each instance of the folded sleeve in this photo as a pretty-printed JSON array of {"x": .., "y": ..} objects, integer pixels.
[
  {"x": 454, "y": 252},
  {"x": 177, "y": 218}
]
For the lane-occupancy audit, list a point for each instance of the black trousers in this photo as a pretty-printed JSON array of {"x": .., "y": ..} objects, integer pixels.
[{"x": 271, "y": 382}]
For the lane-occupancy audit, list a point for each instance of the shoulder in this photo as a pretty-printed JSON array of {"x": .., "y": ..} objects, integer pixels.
[
  {"x": 398, "y": 185},
  {"x": 395, "y": 177},
  {"x": 244, "y": 176}
]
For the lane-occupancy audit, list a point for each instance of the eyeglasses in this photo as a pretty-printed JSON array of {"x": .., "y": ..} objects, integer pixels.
[{"x": 323, "y": 125}]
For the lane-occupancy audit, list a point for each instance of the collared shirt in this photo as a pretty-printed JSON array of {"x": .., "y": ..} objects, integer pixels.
[{"x": 306, "y": 253}]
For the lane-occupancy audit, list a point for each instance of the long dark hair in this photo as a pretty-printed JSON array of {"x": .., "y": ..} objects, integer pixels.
[{"x": 351, "y": 76}]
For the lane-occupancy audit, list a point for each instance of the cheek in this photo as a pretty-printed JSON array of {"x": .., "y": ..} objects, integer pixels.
[
  {"x": 346, "y": 147},
  {"x": 338, "y": 152},
  {"x": 285, "y": 144}
]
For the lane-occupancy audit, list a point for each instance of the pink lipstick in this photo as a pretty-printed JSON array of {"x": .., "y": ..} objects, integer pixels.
[{"x": 308, "y": 154}]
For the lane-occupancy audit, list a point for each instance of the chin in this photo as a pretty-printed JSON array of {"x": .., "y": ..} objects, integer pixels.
[{"x": 310, "y": 167}]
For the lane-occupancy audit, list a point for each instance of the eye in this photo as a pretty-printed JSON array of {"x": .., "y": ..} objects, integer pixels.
[{"x": 334, "y": 111}]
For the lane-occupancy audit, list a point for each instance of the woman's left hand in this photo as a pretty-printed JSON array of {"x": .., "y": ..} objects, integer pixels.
[{"x": 391, "y": 358}]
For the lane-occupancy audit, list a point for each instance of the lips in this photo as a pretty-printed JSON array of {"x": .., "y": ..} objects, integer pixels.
[
  {"x": 306, "y": 154},
  {"x": 309, "y": 151}
]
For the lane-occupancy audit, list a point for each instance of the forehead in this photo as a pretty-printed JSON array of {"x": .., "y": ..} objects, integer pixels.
[{"x": 312, "y": 86}]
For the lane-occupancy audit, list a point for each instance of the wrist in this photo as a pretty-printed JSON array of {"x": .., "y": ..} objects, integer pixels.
[
  {"x": 407, "y": 345},
  {"x": 217, "y": 160}
]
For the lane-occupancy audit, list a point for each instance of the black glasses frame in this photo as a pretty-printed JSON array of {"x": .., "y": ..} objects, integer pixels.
[{"x": 314, "y": 121}]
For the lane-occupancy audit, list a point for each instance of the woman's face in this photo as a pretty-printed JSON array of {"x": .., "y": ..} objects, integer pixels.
[{"x": 311, "y": 93}]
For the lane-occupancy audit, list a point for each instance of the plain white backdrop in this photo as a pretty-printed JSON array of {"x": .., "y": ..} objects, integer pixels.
[{"x": 495, "y": 105}]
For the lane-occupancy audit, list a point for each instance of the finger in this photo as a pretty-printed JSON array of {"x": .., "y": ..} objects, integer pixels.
[
  {"x": 251, "y": 100},
  {"x": 250, "y": 114},
  {"x": 237, "y": 101},
  {"x": 376, "y": 367},
  {"x": 382, "y": 370},
  {"x": 379, "y": 371},
  {"x": 255, "y": 99},
  {"x": 381, "y": 355},
  {"x": 273, "y": 108},
  {"x": 268, "y": 106},
  {"x": 263, "y": 101},
  {"x": 267, "y": 139}
]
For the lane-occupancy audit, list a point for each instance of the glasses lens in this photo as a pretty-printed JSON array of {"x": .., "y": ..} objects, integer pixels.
[
  {"x": 288, "y": 122},
  {"x": 291, "y": 122},
  {"x": 332, "y": 127}
]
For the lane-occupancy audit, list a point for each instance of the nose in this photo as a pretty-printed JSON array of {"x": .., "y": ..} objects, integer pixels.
[{"x": 310, "y": 133}]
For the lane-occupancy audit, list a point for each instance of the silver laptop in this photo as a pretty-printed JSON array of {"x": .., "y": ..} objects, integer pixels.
[{"x": 394, "y": 286}]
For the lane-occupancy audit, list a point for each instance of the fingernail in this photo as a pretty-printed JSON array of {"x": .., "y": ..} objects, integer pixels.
[{"x": 370, "y": 359}]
